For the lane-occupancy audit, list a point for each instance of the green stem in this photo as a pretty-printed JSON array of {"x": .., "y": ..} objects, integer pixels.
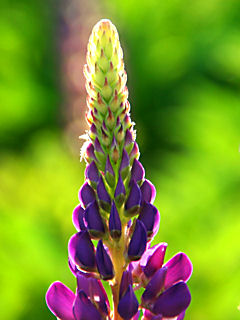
[{"x": 119, "y": 264}]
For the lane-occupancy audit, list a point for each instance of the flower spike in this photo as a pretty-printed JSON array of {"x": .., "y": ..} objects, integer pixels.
[{"x": 116, "y": 207}]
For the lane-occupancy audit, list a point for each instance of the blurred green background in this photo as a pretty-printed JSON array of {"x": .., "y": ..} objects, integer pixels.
[{"x": 183, "y": 64}]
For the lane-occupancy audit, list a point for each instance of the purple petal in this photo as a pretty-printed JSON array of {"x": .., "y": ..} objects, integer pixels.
[
  {"x": 181, "y": 316},
  {"x": 150, "y": 217},
  {"x": 148, "y": 191},
  {"x": 81, "y": 251},
  {"x": 90, "y": 152},
  {"x": 114, "y": 143},
  {"x": 155, "y": 261},
  {"x": 179, "y": 268},
  {"x": 115, "y": 226},
  {"x": 120, "y": 191},
  {"x": 97, "y": 146},
  {"x": 99, "y": 295},
  {"x": 83, "y": 283},
  {"x": 125, "y": 282},
  {"x": 138, "y": 242},
  {"x": 86, "y": 194},
  {"x": 94, "y": 221},
  {"x": 134, "y": 198},
  {"x": 102, "y": 192},
  {"x": 104, "y": 263},
  {"x": 155, "y": 285},
  {"x": 148, "y": 315},
  {"x": 136, "y": 317},
  {"x": 137, "y": 172},
  {"x": 78, "y": 218},
  {"x": 135, "y": 151},
  {"x": 128, "y": 304},
  {"x": 158, "y": 317},
  {"x": 83, "y": 308},
  {"x": 125, "y": 160},
  {"x": 173, "y": 301},
  {"x": 108, "y": 167},
  {"x": 128, "y": 138},
  {"x": 72, "y": 267},
  {"x": 60, "y": 301},
  {"x": 91, "y": 172}
]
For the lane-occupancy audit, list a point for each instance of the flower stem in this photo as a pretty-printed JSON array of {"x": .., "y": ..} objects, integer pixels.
[{"x": 119, "y": 263}]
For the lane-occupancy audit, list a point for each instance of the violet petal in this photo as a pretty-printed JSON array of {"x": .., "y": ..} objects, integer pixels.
[
  {"x": 128, "y": 304},
  {"x": 138, "y": 242},
  {"x": 93, "y": 218},
  {"x": 125, "y": 160},
  {"x": 83, "y": 283},
  {"x": 99, "y": 295},
  {"x": 137, "y": 172},
  {"x": 60, "y": 301},
  {"x": 179, "y": 268},
  {"x": 181, "y": 316},
  {"x": 125, "y": 282},
  {"x": 102, "y": 192},
  {"x": 128, "y": 138},
  {"x": 104, "y": 263},
  {"x": 91, "y": 172},
  {"x": 155, "y": 285},
  {"x": 86, "y": 194},
  {"x": 149, "y": 215},
  {"x": 155, "y": 261},
  {"x": 83, "y": 308},
  {"x": 97, "y": 146},
  {"x": 108, "y": 167},
  {"x": 90, "y": 152},
  {"x": 134, "y": 198},
  {"x": 148, "y": 191},
  {"x": 120, "y": 192},
  {"x": 115, "y": 226},
  {"x": 173, "y": 301},
  {"x": 81, "y": 251},
  {"x": 78, "y": 218}
]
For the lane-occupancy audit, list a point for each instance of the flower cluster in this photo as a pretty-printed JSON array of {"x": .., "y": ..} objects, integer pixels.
[{"x": 116, "y": 210}]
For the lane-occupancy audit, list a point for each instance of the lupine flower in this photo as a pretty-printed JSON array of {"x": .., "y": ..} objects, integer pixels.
[{"x": 116, "y": 208}]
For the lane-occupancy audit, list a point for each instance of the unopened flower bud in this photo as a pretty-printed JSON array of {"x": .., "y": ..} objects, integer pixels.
[
  {"x": 104, "y": 263},
  {"x": 138, "y": 242},
  {"x": 104, "y": 198},
  {"x": 128, "y": 304},
  {"x": 81, "y": 251},
  {"x": 78, "y": 218},
  {"x": 92, "y": 174},
  {"x": 150, "y": 217},
  {"x": 137, "y": 172},
  {"x": 115, "y": 226},
  {"x": 120, "y": 192},
  {"x": 94, "y": 221},
  {"x": 109, "y": 173},
  {"x": 132, "y": 204},
  {"x": 148, "y": 191},
  {"x": 86, "y": 194},
  {"x": 124, "y": 166}
]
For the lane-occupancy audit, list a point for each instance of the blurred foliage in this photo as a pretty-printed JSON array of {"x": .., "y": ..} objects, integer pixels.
[
  {"x": 183, "y": 64},
  {"x": 28, "y": 73}
]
